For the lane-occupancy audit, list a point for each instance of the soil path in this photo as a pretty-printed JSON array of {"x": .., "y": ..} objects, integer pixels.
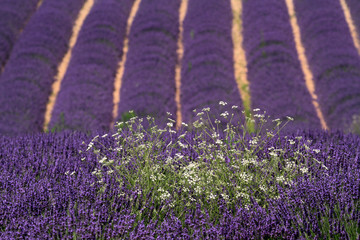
[
  {"x": 304, "y": 63},
  {"x": 121, "y": 68},
  {"x": 180, "y": 52},
  {"x": 354, "y": 34},
  {"x": 65, "y": 61},
  {"x": 240, "y": 64}
]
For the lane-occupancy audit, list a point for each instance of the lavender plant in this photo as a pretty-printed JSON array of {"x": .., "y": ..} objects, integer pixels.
[{"x": 224, "y": 168}]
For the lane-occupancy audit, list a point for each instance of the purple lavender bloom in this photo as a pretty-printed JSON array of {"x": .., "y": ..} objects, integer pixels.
[
  {"x": 148, "y": 85},
  {"x": 277, "y": 83},
  {"x": 33, "y": 63},
  {"x": 85, "y": 97},
  {"x": 48, "y": 192},
  {"x": 333, "y": 59},
  {"x": 13, "y": 17},
  {"x": 207, "y": 73}
]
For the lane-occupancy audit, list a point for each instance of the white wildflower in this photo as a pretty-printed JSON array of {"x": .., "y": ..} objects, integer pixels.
[
  {"x": 91, "y": 144},
  {"x": 212, "y": 196},
  {"x": 256, "y": 109},
  {"x": 179, "y": 156},
  {"x": 169, "y": 160},
  {"x": 198, "y": 190},
  {"x": 289, "y": 165},
  {"x": 215, "y": 135},
  {"x": 280, "y": 179},
  {"x": 304, "y": 170},
  {"x": 103, "y": 159},
  {"x": 219, "y": 142},
  {"x": 276, "y": 120},
  {"x": 184, "y": 124},
  {"x": 165, "y": 196},
  {"x": 263, "y": 188},
  {"x": 224, "y": 114},
  {"x": 245, "y": 177},
  {"x": 259, "y": 115},
  {"x": 183, "y": 145},
  {"x": 222, "y": 103},
  {"x": 291, "y": 142},
  {"x": 243, "y": 195},
  {"x": 253, "y": 142},
  {"x": 226, "y": 197}
]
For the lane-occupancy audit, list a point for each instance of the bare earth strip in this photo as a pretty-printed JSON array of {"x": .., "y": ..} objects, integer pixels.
[
  {"x": 240, "y": 63},
  {"x": 121, "y": 68},
  {"x": 239, "y": 57},
  {"x": 350, "y": 22},
  {"x": 65, "y": 61},
  {"x": 304, "y": 63},
  {"x": 180, "y": 53}
]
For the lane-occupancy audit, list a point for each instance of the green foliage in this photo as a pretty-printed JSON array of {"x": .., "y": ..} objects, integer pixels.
[
  {"x": 199, "y": 181},
  {"x": 125, "y": 117},
  {"x": 192, "y": 34},
  {"x": 59, "y": 126},
  {"x": 354, "y": 127}
]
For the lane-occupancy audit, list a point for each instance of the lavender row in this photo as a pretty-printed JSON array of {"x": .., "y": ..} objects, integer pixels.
[
  {"x": 333, "y": 60},
  {"x": 49, "y": 192},
  {"x": 13, "y": 17},
  {"x": 354, "y": 7},
  {"x": 277, "y": 83},
  {"x": 148, "y": 85},
  {"x": 25, "y": 84},
  {"x": 85, "y": 101},
  {"x": 207, "y": 73}
]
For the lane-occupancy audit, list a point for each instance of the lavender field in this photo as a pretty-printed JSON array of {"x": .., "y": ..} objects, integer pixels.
[{"x": 149, "y": 119}]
